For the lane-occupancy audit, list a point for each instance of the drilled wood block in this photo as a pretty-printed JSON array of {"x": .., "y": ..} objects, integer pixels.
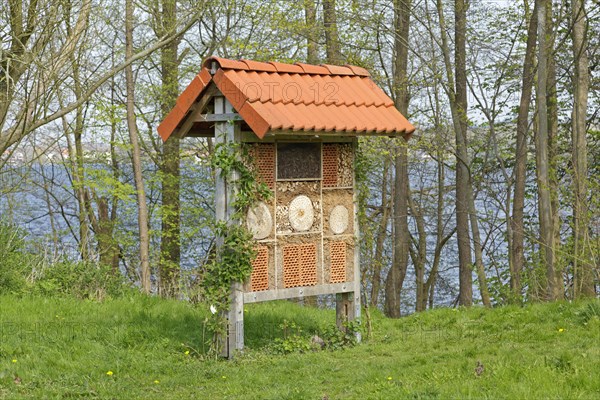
[{"x": 345, "y": 165}]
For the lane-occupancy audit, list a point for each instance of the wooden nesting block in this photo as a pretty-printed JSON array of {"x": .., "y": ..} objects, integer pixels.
[
  {"x": 334, "y": 221},
  {"x": 345, "y": 165},
  {"x": 287, "y": 192}
]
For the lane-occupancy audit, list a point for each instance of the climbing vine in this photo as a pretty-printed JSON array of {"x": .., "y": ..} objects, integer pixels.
[{"x": 233, "y": 261}]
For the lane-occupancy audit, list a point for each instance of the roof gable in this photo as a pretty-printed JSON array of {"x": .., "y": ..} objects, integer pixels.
[{"x": 292, "y": 97}]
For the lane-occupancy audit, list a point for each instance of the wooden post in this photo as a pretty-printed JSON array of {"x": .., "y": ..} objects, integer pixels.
[
  {"x": 229, "y": 132},
  {"x": 355, "y": 194},
  {"x": 347, "y": 305},
  {"x": 344, "y": 310}
]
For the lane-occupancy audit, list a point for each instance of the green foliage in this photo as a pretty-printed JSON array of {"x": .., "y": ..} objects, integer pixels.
[
  {"x": 337, "y": 339},
  {"x": 233, "y": 262},
  {"x": 294, "y": 340},
  {"x": 22, "y": 273},
  {"x": 362, "y": 164},
  {"x": 15, "y": 262},
  {"x": 81, "y": 280},
  {"x": 589, "y": 312}
]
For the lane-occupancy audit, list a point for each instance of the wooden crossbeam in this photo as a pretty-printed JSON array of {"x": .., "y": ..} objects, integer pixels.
[{"x": 218, "y": 117}]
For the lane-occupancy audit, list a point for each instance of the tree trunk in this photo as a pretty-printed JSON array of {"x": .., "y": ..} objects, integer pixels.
[
  {"x": 79, "y": 182},
  {"x": 136, "y": 154},
  {"x": 439, "y": 223},
  {"x": 474, "y": 219},
  {"x": 170, "y": 250},
  {"x": 583, "y": 276},
  {"x": 552, "y": 102},
  {"x": 108, "y": 248},
  {"x": 462, "y": 163},
  {"x": 332, "y": 40},
  {"x": 381, "y": 235},
  {"x": 419, "y": 258},
  {"x": 517, "y": 254},
  {"x": 542, "y": 157},
  {"x": 397, "y": 273},
  {"x": 458, "y": 103},
  {"x": 312, "y": 43}
]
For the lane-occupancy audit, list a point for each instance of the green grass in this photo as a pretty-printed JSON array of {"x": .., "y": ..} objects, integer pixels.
[{"x": 64, "y": 348}]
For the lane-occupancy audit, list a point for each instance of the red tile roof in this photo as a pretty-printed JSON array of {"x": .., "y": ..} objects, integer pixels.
[{"x": 295, "y": 97}]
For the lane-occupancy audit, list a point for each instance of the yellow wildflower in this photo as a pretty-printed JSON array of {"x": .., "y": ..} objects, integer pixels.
[
  {"x": 561, "y": 330},
  {"x": 14, "y": 360},
  {"x": 109, "y": 373},
  {"x": 156, "y": 382},
  {"x": 187, "y": 353}
]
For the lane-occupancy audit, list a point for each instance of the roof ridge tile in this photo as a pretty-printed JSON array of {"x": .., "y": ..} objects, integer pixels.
[
  {"x": 313, "y": 69},
  {"x": 289, "y": 68},
  {"x": 338, "y": 69},
  {"x": 259, "y": 66},
  {"x": 359, "y": 71}
]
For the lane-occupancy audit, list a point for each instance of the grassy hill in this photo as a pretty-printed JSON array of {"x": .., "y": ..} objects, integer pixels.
[{"x": 151, "y": 348}]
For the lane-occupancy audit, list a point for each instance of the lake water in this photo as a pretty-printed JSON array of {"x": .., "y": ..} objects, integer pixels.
[{"x": 40, "y": 199}]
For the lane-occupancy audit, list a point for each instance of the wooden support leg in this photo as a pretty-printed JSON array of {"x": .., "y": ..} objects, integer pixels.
[
  {"x": 235, "y": 329},
  {"x": 347, "y": 308},
  {"x": 344, "y": 310},
  {"x": 226, "y": 191}
]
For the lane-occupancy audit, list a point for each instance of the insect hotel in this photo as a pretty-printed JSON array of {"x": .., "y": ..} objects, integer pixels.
[{"x": 300, "y": 124}]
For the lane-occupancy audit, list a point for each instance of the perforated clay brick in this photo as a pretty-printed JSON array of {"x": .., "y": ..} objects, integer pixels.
[
  {"x": 259, "y": 279},
  {"x": 263, "y": 155},
  {"x": 337, "y": 254},
  {"x": 308, "y": 264},
  {"x": 330, "y": 165},
  {"x": 300, "y": 265}
]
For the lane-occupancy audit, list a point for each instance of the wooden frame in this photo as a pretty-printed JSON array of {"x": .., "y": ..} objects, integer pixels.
[{"x": 227, "y": 129}]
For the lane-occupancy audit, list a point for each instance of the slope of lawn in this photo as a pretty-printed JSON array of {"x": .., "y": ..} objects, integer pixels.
[{"x": 150, "y": 348}]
